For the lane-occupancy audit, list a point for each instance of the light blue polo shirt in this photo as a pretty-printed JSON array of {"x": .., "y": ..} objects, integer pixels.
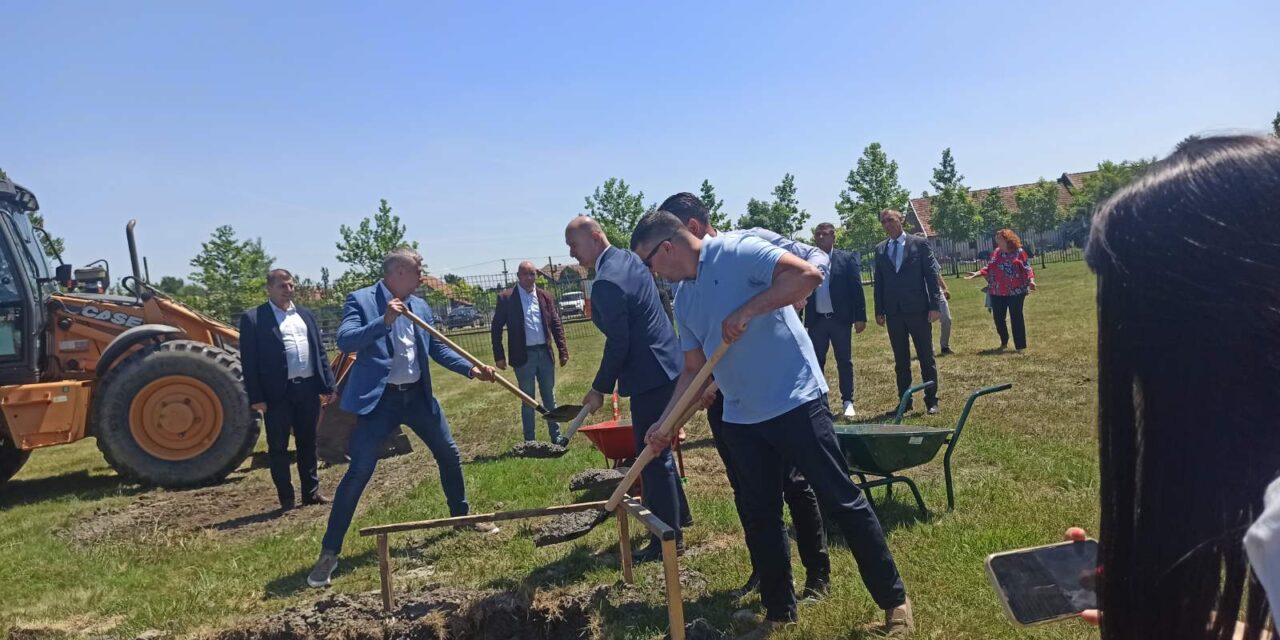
[{"x": 772, "y": 368}]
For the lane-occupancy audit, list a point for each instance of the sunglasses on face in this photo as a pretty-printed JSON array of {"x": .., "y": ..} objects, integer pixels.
[{"x": 654, "y": 252}]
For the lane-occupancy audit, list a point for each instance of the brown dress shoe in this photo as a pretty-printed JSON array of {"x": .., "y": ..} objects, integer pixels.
[
  {"x": 318, "y": 498},
  {"x": 898, "y": 622}
]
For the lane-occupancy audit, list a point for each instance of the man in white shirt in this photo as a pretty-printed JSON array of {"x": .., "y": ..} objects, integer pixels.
[
  {"x": 286, "y": 375},
  {"x": 529, "y": 315}
]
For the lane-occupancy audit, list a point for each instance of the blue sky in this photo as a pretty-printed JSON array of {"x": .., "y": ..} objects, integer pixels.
[{"x": 485, "y": 124}]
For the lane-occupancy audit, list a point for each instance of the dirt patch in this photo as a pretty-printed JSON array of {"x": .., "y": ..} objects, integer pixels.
[
  {"x": 439, "y": 613},
  {"x": 245, "y": 504},
  {"x": 537, "y": 449},
  {"x": 568, "y": 526},
  {"x": 700, "y": 629},
  {"x": 595, "y": 479}
]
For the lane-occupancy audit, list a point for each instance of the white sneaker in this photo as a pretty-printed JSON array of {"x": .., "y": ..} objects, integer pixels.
[{"x": 848, "y": 410}]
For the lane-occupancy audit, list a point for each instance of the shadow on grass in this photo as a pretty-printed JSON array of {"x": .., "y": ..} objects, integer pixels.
[
  {"x": 80, "y": 485},
  {"x": 996, "y": 351},
  {"x": 567, "y": 570},
  {"x": 246, "y": 520}
]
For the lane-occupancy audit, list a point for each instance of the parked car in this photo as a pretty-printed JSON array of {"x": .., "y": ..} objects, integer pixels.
[
  {"x": 463, "y": 317},
  {"x": 573, "y": 303}
]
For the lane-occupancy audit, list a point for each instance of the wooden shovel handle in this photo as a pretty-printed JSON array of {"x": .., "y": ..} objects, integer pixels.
[
  {"x": 435, "y": 333},
  {"x": 669, "y": 425}
]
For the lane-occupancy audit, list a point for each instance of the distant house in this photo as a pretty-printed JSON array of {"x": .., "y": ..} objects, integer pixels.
[
  {"x": 565, "y": 274},
  {"x": 920, "y": 210}
]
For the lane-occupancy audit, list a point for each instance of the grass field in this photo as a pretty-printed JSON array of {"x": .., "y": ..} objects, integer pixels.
[{"x": 1026, "y": 470}]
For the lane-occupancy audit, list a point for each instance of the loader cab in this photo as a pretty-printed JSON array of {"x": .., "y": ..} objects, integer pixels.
[{"x": 26, "y": 281}]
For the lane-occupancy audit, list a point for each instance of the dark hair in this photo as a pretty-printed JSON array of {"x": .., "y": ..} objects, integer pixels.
[
  {"x": 897, "y": 214},
  {"x": 824, "y": 226},
  {"x": 655, "y": 226},
  {"x": 686, "y": 206},
  {"x": 1188, "y": 265},
  {"x": 276, "y": 275}
]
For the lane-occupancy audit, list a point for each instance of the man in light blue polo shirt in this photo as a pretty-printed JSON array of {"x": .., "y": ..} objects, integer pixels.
[{"x": 740, "y": 289}]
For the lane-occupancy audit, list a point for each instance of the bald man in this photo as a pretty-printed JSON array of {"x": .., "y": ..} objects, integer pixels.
[
  {"x": 532, "y": 325},
  {"x": 641, "y": 357}
]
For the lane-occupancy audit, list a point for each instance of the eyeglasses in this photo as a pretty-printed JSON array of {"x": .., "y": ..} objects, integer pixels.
[{"x": 654, "y": 252}]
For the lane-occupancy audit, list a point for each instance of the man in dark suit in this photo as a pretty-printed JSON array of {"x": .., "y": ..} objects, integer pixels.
[
  {"x": 906, "y": 298},
  {"x": 532, "y": 324},
  {"x": 389, "y": 384},
  {"x": 640, "y": 357},
  {"x": 286, "y": 375},
  {"x": 836, "y": 310}
]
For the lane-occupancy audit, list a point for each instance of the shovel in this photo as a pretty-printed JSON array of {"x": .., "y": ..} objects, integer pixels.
[
  {"x": 561, "y": 413},
  {"x": 674, "y": 418}
]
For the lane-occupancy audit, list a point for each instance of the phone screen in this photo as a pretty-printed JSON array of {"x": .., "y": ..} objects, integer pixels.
[{"x": 1047, "y": 583}]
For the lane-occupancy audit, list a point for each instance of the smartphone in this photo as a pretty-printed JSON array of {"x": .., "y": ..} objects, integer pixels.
[{"x": 1048, "y": 583}]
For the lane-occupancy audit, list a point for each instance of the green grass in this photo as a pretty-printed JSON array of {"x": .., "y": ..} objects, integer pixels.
[{"x": 1026, "y": 470}]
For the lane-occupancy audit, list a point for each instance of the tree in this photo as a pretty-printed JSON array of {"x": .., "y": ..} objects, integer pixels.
[
  {"x": 1102, "y": 184},
  {"x": 1275, "y": 125},
  {"x": 872, "y": 186},
  {"x": 363, "y": 248},
  {"x": 717, "y": 218},
  {"x": 992, "y": 214},
  {"x": 170, "y": 285},
  {"x": 232, "y": 272},
  {"x": 1038, "y": 208},
  {"x": 783, "y": 216},
  {"x": 955, "y": 215},
  {"x": 617, "y": 210}
]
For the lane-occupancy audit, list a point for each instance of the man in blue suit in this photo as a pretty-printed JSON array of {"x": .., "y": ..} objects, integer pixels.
[
  {"x": 388, "y": 385},
  {"x": 286, "y": 374},
  {"x": 641, "y": 357}
]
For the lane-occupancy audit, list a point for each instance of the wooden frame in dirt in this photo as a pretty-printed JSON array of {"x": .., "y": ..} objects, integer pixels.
[{"x": 629, "y": 508}]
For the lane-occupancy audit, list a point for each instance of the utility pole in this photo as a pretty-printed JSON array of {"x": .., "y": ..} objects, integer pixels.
[{"x": 505, "y": 280}]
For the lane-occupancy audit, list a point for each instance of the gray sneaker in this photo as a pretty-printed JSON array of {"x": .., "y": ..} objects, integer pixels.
[
  {"x": 320, "y": 574},
  {"x": 483, "y": 528}
]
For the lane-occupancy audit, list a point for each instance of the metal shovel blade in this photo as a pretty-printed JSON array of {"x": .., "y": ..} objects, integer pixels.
[{"x": 563, "y": 413}]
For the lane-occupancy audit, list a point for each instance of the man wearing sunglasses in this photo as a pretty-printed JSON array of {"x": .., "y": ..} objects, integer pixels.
[
  {"x": 640, "y": 357},
  {"x": 735, "y": 289}
]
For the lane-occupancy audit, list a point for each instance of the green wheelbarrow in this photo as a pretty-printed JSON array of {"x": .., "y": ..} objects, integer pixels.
[{"x": 880, "y": 451}]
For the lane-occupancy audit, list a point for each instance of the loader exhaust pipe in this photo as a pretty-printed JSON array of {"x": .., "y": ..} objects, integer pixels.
[{"x": 133, "y": 252}]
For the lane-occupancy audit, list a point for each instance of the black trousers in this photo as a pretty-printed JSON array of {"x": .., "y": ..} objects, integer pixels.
[
  {"x": 1012, "y": 304},
  {"x": 297, "y": 413},
  {"x": 904, "y": 329},
  {"x": 760, "y": 453},
  {"x": 824, "y": 331},
  {"x": 662, "y": 491},
  {"x": 811, "y": 536}
]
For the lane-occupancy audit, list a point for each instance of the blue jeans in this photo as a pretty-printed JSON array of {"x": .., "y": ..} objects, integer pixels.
[
  {"x": 540, "y": 367},
  {"x": 415, "y": 409}
]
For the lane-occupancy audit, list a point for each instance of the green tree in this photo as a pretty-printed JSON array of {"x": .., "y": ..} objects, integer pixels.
[
  {"x": 871, "y": 187},
  {"x": 783, "y": 215},
  {"x": 232, "y": 272},
  {"x": 1275, "y": 125},
  {"x": 171, "y": 285},
  {"x": 1038, "y": 208},
  {"x": 617, "y": 210},
  {"x": 717, "y": 217},
  {"x": 955, "y": 214},
  {"x": 1102, "y": 184},
  {"x": 363, "y": 248},
  {"x": 993, "y": 215}
]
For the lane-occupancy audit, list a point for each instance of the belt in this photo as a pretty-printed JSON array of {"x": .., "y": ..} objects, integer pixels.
[
  {"x": 824, "y": 315},
  {"x": 538, "y": 346},
  {"x": 401, "y": 387},
  {"x": 299, "y": 380}
]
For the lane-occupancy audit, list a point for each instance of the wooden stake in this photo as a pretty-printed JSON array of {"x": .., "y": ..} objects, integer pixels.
[
  {"x": 624, "y": 545},
  {"x": 675, "y": 603},
  {"x": 482, "y": 517},
  {"x": 384, "y": 572}
]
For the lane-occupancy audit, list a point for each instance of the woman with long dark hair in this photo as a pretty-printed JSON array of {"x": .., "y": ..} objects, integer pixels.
[
  {"x": 1009, "y": 280},
  {"x": 1188, "y": 265}
]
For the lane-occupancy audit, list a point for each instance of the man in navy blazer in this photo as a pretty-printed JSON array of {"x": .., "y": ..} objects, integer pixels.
[
  {"x": 286, "y": 375},
  {"x": 641, "y": 357},
  {"x": 388, "y": 385}
]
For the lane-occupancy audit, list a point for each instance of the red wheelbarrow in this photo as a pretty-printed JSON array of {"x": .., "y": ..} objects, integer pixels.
[{"x": 615, "y": 439}]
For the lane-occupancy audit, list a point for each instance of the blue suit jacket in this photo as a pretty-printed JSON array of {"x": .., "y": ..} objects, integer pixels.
[
  {"x": 364, "y": 333},
  {"x": 640, "y": 349},
  {"x": 262, "y": 358}
]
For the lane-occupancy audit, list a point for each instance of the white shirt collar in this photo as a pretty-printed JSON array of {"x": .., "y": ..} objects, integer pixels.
[
  {"x": 527, "y": 294},
  {"x": 277, "y": 309}
]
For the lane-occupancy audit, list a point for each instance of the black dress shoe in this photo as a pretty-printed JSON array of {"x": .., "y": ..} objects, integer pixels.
[
  {"x": 652, "y": 553},
  {"x": 287, "y": 505},
  {"x": 318, "y": 498},
  {"x": 752, "y": 584},
  {"x": 946, "y": 351},
  {"x": 815, "y": 589}
]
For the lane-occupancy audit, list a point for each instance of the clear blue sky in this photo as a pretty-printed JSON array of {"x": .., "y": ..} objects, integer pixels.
[{"x": 485, "y": 124}]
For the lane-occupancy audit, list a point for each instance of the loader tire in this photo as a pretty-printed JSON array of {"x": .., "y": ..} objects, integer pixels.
[
  {"x": 175, "y": 414},
  {"x": 11, "y": 458}
]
